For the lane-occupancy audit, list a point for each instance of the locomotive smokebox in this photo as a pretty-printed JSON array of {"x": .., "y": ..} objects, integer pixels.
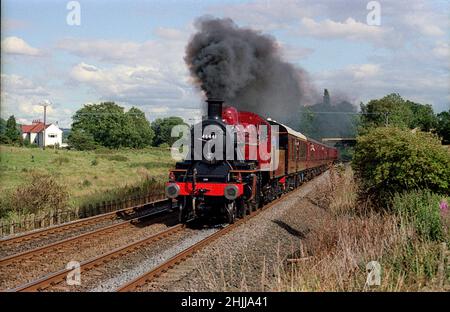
[{"x": 214, "y": 108}]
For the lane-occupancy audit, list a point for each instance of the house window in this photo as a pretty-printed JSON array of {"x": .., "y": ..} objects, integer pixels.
[{"x": 52, "y": 135}]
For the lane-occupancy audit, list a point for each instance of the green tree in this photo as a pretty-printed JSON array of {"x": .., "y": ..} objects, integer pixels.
[
  {"x": 393, "y": 110},
  {"x": 3, "y": 138},
  {"x": 443, "y": 126},
  {"x": 144, "y": 132},
  {"x": 81, "y": 140},
  {"x": 2, "y": 126},
  {"x": 162, "y": 128},
  {"x": 111, "y": 127},
  {"x": 392, "y": 160},
  {"x": 307, "y": 121},
  {"x": 12, "y": 131},
  {"x": 423, "y": 116}
]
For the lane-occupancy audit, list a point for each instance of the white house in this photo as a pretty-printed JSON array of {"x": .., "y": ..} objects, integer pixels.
[{"x": 35, "y": 134}]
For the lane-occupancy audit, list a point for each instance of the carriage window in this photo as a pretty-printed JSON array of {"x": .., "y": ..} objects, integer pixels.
[
  {"x": 302, "y": 150},
  {"x": 292, "y": 149}
]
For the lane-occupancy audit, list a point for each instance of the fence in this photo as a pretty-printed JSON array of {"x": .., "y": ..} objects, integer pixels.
[{"x": 54, "y": 217}]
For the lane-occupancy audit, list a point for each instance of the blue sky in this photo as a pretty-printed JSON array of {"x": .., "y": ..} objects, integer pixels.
[{"x": 132, "y": 51}]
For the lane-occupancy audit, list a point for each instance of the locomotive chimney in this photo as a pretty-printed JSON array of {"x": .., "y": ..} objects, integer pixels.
[{"x": 214, "y": 108}]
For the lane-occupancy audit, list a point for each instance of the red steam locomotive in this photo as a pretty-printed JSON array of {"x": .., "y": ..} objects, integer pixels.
[{"x": 229, "y": 172}]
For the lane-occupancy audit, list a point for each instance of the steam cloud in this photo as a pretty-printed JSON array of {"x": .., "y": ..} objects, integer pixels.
[{"x": 244, "y": 67}]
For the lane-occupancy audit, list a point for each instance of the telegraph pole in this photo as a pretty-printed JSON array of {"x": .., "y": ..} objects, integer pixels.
[{"x": 44, "y": 104}]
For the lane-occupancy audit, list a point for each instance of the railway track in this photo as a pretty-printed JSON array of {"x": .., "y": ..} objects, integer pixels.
[
  {"x": 174, "y": 263},
  {"x": 57, "y": 278},
  {"x": 24, "y": 242},
  {"x": 31, "y": 265},
  {"x": 32, "y": 253},
  {"x": 97, "y": 266}
]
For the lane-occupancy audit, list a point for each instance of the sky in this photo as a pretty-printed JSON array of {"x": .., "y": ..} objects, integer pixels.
[{"x": 131, "y": 52}]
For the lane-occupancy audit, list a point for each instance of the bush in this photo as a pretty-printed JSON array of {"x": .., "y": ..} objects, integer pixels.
[
  {"x": 94, "y": 162},
  {"x": 86, "y": 183},
  {"x": 81, "y": 141},
  {"x": 103, "y": 150},
  {"x": 114, "y": 157},
  {"x": 391, "y": 160},
  {"x": 40, "y": 193},
  {"x": 421, "y": 209},
  {"x": 4, "y": 139},
  {"x": 60, "y": 160}
]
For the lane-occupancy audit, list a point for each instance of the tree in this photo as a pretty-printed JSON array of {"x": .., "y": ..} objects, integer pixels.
[
  {"x": 2, "y": 126},
  {"x": 443, "y": 126},
  {"x": 389, "y": 110},
  {"x": 328, "y": 119},
  {"x": 393, "y": 110},
  {"x": 110, "y": 126},
  {"x": 162, "y": 128},
  {"x": 81, "y": 140},
  {"x": 145, "y": 132},
  {"x": 307, "y": 118},
  {"x": 423, "y": 116},
  {"x": 12, "y": 131},
  {"x": 3, "y": 138}
]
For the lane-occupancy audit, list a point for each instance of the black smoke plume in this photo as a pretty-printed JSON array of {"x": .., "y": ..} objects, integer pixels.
[{"x": 244, "y": 67}]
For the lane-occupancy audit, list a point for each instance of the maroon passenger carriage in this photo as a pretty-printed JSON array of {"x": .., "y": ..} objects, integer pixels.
[{"x": 230, "y": 187}]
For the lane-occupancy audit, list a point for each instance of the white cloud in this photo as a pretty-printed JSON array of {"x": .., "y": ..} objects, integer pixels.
[
  {"x": 368, "y": 81},
  {"x": 150, "y": 74},
  {"x": 365, "y": 70},
  {"x": 442, "y": 50},
  {"x": 18, "y": 46},
  {"x": 349, "y": 29},
  {"x": 135, "y": 85},
  {"x": 21, "y": 96}
]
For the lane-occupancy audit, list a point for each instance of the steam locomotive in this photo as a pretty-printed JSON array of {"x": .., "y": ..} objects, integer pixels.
[{"x": 239, "y": 161}]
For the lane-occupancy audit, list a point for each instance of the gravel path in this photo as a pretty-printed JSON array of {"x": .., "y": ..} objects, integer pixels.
[{"x": 249, "y": 257}]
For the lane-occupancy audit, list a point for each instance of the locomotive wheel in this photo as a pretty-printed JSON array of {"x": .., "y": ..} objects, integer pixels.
[
  {"x": 248, "y": 208},
  {"x": 230, "y": 209},
  {"x": 184, "y": 210},
  {"x": 241, "y": 208},
  {"x": 256, "y": 202}
]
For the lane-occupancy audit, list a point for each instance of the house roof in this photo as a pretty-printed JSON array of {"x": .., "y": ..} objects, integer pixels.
[{"x": 34, "y": 128}]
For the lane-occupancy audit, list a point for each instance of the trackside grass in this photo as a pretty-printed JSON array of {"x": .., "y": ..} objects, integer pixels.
[{"x": 86, "y": 176}]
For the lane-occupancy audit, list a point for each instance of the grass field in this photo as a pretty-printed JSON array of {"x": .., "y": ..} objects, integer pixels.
[{"x": 84, "y": 173}]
